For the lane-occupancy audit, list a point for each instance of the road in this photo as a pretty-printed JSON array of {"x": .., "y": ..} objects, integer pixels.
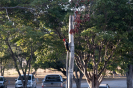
[{"x": 113, "y": 83}]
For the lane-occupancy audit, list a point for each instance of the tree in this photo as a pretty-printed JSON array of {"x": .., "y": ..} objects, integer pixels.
[
  {"x": 19, "y": 35},
  {"x": 125, "y": 47},
  {"x": 4, "y": 56},
  {"x": 21, "y": 48},
  {"x": 24, "y": 26},
  {"x": 4, "y": 62},
  {"x": 98, "y": 39},
  {"x": 126, "y": 56}
]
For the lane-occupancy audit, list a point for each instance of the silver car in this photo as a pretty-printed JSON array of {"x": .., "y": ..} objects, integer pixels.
[
  {"x": 30, "y": 84},
  {"x": 3, "y": 83},
  {"x": 53, "y": 81}
]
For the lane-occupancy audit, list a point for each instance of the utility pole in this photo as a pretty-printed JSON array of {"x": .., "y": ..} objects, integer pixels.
[
  {"x": 69, "y": 69},
  {"x": 71, "y": 53},
  {"x": 67, "y": 59}
]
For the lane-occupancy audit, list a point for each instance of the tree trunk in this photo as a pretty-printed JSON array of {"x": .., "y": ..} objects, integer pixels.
[
  {"x": 78, "y": 77},
  {"x": 129, "y": 76},
  {"x": 78, "y": 81},
  {"x": 1, "y": 71},
  {"x": 1, "y": 68},
  {"x": 93, "y": 83}
]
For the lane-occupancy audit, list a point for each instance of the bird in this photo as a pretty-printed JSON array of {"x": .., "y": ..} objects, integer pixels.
[{"x": 66, "y": 44}]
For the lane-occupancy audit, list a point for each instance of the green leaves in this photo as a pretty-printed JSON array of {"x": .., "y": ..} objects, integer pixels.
[{"x": 100, "y": 35}]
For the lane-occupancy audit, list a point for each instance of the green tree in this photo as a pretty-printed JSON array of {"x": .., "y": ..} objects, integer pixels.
[
  {"x": 25, "y": 28},
  {"x": 21, "y": 48},
  {"x": 99, "y": 38},
  {"x": 19, "y": 33},
  {"x": 125, "y": 53}
]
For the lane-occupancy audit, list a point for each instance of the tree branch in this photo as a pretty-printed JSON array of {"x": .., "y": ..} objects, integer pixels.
[
  {"x": 113, "y": 49},
  {"x": 13, "y": 56},
  {"x": 8, "y": 15},
  {"x": 17, "y": 7}
]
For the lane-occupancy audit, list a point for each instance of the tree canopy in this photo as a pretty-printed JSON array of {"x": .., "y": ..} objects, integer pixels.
[{"x": 33, "y": 30}]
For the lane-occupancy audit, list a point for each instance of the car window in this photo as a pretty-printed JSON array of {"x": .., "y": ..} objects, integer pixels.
[
  {"x": 1, "y": 78},
  {"x": 29, "y": 78},
  {"x": 52, "y": 78}
]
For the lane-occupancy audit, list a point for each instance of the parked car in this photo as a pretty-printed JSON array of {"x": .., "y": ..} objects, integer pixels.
[
  {"x": 104, "y": 86},
  {"x": 53, "y": 81},
  {"x": 3, "y": 82},
  {"x": 30, "y": 84}
]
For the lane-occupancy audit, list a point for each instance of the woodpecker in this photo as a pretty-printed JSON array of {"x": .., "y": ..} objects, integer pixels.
[{"x": 66, "y": 44}]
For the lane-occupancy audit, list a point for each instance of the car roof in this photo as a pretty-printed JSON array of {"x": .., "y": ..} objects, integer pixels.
[
  {"x": 27, "y": 74},
  {"x": 53, "y": 74},
  {"x": 103, "y": 85}
]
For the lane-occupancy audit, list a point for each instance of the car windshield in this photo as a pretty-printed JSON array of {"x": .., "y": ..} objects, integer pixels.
[
  {"x": 102, "y": 87},
  {"x": 1, "y": 78},
  {"x": 29, "y": 78},
  {"x": 52, "y": 78}
]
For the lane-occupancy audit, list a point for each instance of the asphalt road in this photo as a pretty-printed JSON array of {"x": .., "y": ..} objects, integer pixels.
[{"x": 113, "y": 83}]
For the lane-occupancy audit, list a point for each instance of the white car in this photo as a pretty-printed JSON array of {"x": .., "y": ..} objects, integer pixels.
[
  {"x": 3, "y": 83},
  {"x": 104, "y": 86},
  {"x": 30, "y": 84}
]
